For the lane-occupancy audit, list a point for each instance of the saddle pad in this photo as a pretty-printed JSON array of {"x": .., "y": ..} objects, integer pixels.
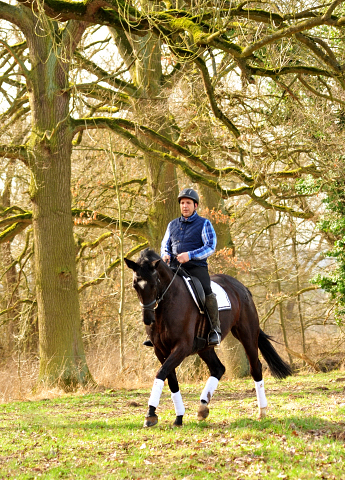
[{"x": 222, "y": 297}]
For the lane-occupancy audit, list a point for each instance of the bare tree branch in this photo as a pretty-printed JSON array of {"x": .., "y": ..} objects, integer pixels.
[{"x": 111, "y": 267}]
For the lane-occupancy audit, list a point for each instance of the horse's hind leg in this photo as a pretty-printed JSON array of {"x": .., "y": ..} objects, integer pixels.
[
  {"x": 249, "y": 341},
  {"x": 217, "y": 370}
]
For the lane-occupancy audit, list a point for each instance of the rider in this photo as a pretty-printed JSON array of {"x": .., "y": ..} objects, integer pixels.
[{"x": 191, "y": 239}]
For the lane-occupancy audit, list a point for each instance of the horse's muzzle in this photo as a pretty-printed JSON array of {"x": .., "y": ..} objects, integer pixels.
[
  {"x": 148, "y": 317},
  {"x": 149, "y": 312}
]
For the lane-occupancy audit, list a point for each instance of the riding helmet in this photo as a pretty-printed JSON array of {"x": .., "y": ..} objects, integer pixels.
[{"x": 189, "y": 193}]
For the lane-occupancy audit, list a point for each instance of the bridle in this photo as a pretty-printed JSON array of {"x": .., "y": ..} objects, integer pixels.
[{"x": 157, "y": 301}]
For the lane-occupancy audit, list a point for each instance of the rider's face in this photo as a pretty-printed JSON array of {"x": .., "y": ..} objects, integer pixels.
[{"x": 187, "y": 207}]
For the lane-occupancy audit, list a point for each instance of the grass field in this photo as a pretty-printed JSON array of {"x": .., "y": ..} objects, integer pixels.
[{"x": 100, "y": 435}]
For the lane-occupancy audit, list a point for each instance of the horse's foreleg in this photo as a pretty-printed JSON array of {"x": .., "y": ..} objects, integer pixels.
[
  {"x": 176, "y": 398},
  {"x": 217, "y": 370},
  {"x": 166, "y": 371},
  {"x": 151, "y": 418},
  {"x": 179, "y": 408}
]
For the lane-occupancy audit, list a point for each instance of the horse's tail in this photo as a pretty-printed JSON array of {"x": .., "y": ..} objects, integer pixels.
[{"x": 278, "y": 367}]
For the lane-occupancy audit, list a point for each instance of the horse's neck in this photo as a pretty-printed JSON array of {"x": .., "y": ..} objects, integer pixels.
[{"x": 165, "y": 275}]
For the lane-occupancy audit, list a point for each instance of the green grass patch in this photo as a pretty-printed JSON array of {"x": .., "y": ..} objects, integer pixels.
[{"x": 100, "y": 435}]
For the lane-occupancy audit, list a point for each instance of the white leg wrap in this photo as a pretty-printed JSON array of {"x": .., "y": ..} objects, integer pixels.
[
  {"x": 209, "y": 389},
  {"x": 260, "y": 393},
  {"x": 156, "y": 392},
  {"x": 178, "y": 403}
]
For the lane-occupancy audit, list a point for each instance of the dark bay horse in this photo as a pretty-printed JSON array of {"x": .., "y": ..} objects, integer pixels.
[{"x": 172, "y": 318}]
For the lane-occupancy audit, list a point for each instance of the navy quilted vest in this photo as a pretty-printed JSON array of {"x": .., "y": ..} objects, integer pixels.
[{"x": 185, "y": 235}]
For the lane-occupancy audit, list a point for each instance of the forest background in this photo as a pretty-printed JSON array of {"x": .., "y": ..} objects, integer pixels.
[{"x": 108, "y": 109}]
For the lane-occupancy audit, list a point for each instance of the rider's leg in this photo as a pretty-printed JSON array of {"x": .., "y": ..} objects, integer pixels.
[
  {"x": 202, "y": 274},
  {"x": 212, "y": 308}
]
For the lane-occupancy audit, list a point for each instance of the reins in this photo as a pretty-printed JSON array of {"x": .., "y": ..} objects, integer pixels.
[{"x": 157, "y": 301}]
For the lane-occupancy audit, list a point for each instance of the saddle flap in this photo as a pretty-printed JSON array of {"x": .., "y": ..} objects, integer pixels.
[{"x": 197, "y": 292}]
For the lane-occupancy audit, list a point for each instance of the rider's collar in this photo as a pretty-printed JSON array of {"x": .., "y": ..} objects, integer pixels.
[{"x": 189, "y": 219}]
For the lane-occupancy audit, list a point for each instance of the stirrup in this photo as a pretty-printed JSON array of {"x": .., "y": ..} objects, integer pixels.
[{"x": 214, "y": 338}]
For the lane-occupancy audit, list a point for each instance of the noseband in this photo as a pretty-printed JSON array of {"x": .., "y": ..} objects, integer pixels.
[
  {"x": 148, "y": 305},
  {"x": 158, "y": 300}
]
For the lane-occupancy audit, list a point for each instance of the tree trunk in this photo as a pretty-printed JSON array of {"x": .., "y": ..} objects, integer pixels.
[
  {"x": 11, "y": 296},
  {"x": 152, "y": 109},
  {"x": 233, "y": 354},
  {"x": 298, "y": 285},
  {"x": 113, "y": 162},
  {"x": 62, "y": 358},
  {"x": 279, "y": 292}
]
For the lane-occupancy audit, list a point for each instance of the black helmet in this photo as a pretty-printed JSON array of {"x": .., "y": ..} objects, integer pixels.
[{"x": 188, "y": 193}]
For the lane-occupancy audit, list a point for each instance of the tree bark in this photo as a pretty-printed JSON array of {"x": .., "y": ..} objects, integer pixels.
[
  {"x": 298, "y": 286},
  {"x": 278, "y": 287},
  {"x": 113, "y": 162},
  {"x": 151, "y": 109},
  {"x": 233, "y": 354},
  {"x": 62, "y": 358},
  {"x": 11, "y": 295}
]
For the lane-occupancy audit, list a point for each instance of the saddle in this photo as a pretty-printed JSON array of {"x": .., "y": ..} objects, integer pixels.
[
  {"x": 195, "y": 289},
  {"x": 197, "y": 292}
]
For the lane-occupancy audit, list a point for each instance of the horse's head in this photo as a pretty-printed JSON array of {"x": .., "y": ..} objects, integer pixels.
[{"x": 146, "y": 282}]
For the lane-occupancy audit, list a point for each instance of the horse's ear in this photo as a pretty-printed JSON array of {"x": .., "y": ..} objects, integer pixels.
[
  {"x": 132, "y": 265},
  {"x": 155, "y": 263}
]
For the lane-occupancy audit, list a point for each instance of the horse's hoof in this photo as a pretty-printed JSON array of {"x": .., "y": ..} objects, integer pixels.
[
  {"x": 151, "y": 421},
  {"x": 178, "y": 421},
  {"x": 262, "y": 413},
  {"x": 177, "y": 425},
  {"x": 203, "y": 412}
]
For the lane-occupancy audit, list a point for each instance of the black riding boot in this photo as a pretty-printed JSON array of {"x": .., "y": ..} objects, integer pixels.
[{"x": 212, "y": 308}]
